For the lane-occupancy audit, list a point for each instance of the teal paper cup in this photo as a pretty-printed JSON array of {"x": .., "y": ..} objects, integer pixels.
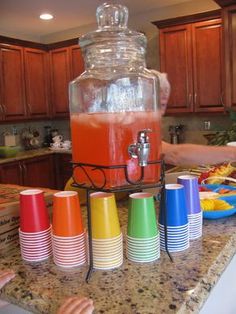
[{"x": 142, "y": 216}]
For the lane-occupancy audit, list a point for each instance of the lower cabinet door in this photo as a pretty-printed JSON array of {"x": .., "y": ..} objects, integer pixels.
[
  {"x": 39, "y": 172},
  {"x": 63, "y": 169},
  {"x": 11, "y": 173},
  {"x": 35, "y": 172}
]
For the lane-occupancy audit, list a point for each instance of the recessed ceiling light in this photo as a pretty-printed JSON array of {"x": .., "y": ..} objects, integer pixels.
[{"x": 46, "y": 16}]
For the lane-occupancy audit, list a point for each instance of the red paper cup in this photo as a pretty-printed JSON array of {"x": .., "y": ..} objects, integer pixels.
[
  {"x": 34, "y": 235},
  {"x": 34, "y": 252},
  {"x": 33, "y": 212}
]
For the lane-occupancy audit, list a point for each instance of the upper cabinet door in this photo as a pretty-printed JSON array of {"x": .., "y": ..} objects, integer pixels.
[
  {"x": 77, "y": 61},
  {"x": 60, "y": 78},
  {"x": 12, "y": 83},
  {"x": 191, "y": 54},
  {"x": 176, "y": 61},
  {"x": 36, "y": 78},
  {"x": 229, "y": 20},
  {"x": 207, "y": 65}
]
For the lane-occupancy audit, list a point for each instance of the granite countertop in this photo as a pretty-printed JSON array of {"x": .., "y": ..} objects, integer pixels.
[
  {"x": 34, "y": 153},
  {"x": 158, "y": 287}
]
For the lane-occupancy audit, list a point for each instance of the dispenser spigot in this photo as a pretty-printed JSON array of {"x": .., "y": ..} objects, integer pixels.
[{"x": 141, "y": 149}]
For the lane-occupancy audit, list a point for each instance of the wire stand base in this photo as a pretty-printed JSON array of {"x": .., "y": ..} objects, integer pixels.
[{"x": 131, "y": 186}]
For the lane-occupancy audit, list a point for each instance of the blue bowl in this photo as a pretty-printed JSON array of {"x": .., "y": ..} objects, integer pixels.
[
  {"x": 231, "y": 199},
  {"x": 218, "y": 213}
]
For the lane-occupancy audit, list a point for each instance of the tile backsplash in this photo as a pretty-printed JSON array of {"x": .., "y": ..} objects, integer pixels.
[
  {"x": 195, "y": 126},
  {"x": 63, "y": 127}
]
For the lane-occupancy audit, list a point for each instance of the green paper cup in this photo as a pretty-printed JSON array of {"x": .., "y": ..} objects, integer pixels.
[{"x": 142, "y": 216}]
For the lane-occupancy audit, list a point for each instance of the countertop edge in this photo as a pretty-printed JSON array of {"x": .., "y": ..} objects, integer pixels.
[
  {"x": 32, "y": 154},
  {"x": 196, "y": 300}
]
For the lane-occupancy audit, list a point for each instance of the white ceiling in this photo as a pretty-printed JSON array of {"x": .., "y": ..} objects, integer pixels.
[{"x": 22, "y": 16}]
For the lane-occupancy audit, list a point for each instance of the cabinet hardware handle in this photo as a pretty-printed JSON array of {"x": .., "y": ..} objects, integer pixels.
[
  {"x": 4, "y": 109},
  {"x": 222, "y": 99},
  {"x": 25, "y": 169},
  {"x": 195, "y": 98},
  {"x": 29, "y": 108},
  {"x": 189, "y": 99},
  {"x": 21, "y": 172},
  {"x": 1, "y": 109}
]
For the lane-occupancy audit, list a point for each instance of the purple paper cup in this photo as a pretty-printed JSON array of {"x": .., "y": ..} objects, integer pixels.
[
  {"x": 176, "y": 210},
  {"x": 190, "y": 184}
]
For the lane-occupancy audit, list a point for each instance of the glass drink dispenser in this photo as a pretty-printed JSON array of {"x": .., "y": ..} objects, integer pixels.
[{"x": 114, "y": 105}]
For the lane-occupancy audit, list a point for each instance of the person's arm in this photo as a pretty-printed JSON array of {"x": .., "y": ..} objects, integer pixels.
[
  {"x": 193, "y": 154},
  {"x": 5, "y": 277}
]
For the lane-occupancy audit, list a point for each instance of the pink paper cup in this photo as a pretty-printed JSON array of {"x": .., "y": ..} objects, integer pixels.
[{"x": 33, "y": 212}]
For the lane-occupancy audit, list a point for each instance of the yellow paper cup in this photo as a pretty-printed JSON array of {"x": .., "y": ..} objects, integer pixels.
[{"x": 104, "y": 216}]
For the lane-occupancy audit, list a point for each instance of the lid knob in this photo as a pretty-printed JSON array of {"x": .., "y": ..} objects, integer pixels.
[{"x": 113, "y": 16}]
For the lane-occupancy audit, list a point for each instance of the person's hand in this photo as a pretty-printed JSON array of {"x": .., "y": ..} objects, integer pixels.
[
  {"x": 5, "y": 276},
  {"x": 76, "y": 305}
]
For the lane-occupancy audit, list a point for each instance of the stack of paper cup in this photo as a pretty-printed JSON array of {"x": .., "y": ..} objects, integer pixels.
[
  {"x": 68, "y": 236},
  {"x": 190, "y": 184},
  {"x": 143, "y": 241},
  {"x": 107, "y": 239},
  {"x": 173, "y": 221},
  {"x": 35, "y": 229}
]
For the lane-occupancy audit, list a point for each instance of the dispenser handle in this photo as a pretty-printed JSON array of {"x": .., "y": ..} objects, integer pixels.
[
  {"x": 141, "y": 149},
  {"x": 143, "y": 136}
]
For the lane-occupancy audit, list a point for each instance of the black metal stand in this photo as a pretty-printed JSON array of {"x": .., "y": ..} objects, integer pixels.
[{"x": 139, "y": 184}]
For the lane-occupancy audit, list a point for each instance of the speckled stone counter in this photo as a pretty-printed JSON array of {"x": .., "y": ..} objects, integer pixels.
[
  {"x": 159, "y": 287},
  {"x": 34, "y": 153}
]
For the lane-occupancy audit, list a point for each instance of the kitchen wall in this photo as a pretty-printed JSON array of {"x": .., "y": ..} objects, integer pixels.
[
  {"x": 193, "y": 133},
  {"x": 63, "y": 127},
  {"x": 194, "y": 129},
  {"x": 194, "y": 124}
]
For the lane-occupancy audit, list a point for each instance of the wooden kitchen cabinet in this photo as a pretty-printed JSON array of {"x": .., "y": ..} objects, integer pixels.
[
  {"x": 60, "y": 78},
  {"x": 63, "y": 169},
  {"x": 39, "y": 172},
  {"x": 11, "y": 173},
  {"x": 12, "y": 83},
  {"x": 34, "y": 80},
  {"x": 37, "y": 83},
  {"x": 66, "y": 64},
  {"x": 35, "y": 172},
  {"x": 24, "y": 83},
  {"x": 191, "y": 55},
  {"x": 77, "y": 61},
  {"x": 229, "y": 24}
]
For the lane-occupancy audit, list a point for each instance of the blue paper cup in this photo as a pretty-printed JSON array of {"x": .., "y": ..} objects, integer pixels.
[
  {"x": 190, "y": 184},
  {"x": 176, "y": 210}
]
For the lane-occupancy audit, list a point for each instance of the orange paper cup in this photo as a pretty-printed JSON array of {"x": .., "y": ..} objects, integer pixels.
[{"x": 67, "y": 218}]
